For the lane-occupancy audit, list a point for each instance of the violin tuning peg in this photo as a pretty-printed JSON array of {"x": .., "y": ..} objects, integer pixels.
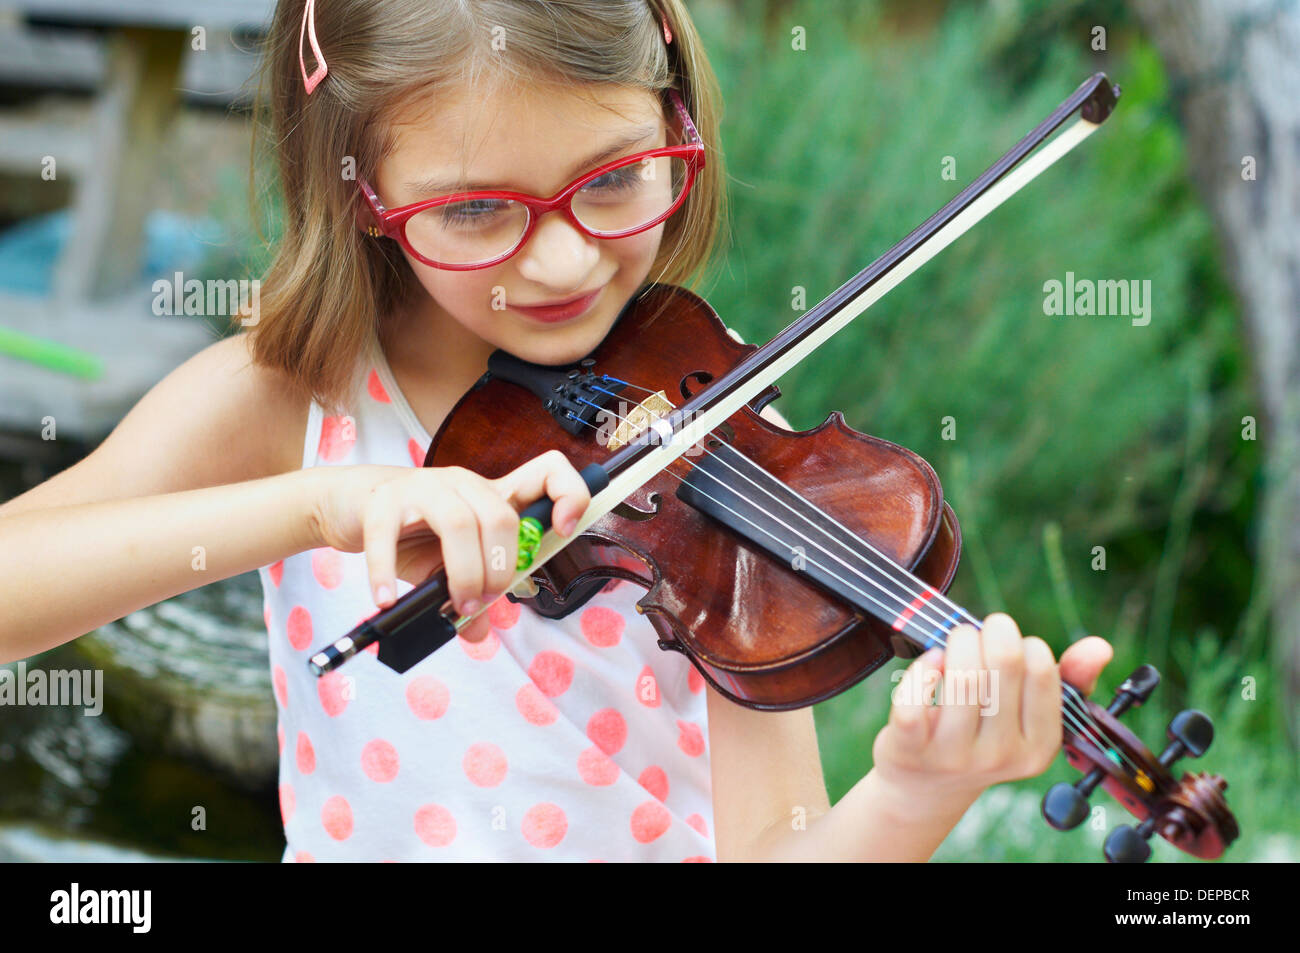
[
  {"x": 1191, "y": 732},
  {"x": 1064, "y": 807},
  {"x": 1128, "y": 845},
  {"x": 1135, "y": 690}
]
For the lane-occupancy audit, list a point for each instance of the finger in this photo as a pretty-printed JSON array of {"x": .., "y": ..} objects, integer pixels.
[
  {"x": 462, "y": 555},
  {"x": 959, "y": 707},
  {"x": 380, "y": 525},
  {"x": 477, "y": 630},
  {"x": 1040, "y": 721},
  {"x": 911, "y": 713},
  {"x": 551, "y": 475},
  {"x": 498, "y": 535},
  {"x": 1083, "y": 661},
  {"x": 999, "y": 684}
]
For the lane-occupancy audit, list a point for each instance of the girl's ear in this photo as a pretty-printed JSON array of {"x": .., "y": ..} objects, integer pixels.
[{"x": 365, "y": 220}]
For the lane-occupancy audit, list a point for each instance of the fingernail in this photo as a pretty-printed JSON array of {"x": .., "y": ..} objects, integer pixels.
[
  {"x": 569, "y": 525},
  {"x": 470, "y": 607},
  {"x": 383, "y": 594}
]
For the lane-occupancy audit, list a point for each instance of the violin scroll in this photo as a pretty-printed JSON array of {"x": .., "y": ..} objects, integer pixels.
[{"x": 1190, "y": 813}]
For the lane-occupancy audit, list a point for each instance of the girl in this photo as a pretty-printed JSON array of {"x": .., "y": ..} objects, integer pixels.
[{"x": 296, "y": 447}]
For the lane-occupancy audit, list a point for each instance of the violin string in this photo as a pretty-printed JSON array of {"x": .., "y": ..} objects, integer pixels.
[
  {"x": 1071, "y": 695},
  {"x": 1072, "y": 698},
  {"x": 1072, "y": 716}
]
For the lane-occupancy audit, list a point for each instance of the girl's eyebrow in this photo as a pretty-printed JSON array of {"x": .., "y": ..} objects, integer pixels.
[{"x": 435, "y": 184}]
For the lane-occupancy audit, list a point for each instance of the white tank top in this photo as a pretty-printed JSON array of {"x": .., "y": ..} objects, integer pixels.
[{"x": 574, "y": 739}]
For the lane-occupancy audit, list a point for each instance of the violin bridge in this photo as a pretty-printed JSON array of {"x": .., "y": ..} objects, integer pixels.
[{"x": 639, "y": 419}]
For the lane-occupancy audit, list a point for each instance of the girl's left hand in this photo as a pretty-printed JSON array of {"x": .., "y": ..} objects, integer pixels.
[{"x": 1010, "y": 729}]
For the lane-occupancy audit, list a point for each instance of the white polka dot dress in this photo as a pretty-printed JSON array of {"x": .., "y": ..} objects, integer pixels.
[{"x": 575, "y": 739}]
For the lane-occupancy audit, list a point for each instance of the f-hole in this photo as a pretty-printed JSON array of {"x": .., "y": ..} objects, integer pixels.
[{"x": 700, "y": 378}]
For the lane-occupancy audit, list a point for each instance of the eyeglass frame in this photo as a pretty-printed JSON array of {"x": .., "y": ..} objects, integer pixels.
[{"x": 391, "y": 223}]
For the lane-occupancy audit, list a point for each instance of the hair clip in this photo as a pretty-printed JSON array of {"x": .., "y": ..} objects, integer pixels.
[
  {"x": 668, "y": 34},
  {"x": 309, "y": 29}
]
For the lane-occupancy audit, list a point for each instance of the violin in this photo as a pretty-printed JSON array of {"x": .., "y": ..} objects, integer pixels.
[{"x": 787, "y": 566}]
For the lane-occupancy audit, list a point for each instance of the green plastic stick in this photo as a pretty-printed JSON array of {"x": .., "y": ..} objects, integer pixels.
[{"x": 50, "y": 354}]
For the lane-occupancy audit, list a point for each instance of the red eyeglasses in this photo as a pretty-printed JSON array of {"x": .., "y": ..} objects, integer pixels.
[{"x": 468, "y": 230}]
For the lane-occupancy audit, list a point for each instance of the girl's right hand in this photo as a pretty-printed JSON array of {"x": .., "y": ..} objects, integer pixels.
[{"x": 409, "y": 522}]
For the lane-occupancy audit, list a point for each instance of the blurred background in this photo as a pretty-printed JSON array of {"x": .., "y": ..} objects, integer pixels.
[{"x": 1137, "y": 481}]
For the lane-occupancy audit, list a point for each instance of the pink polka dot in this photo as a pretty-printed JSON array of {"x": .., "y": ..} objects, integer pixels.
[
  {"x": 337, "y": 435},
  {"x": 279, "y": 736},
  {"x": 287, "y": 803},
  {"x": 597, "y": 768},
  {"x": 302, "y": 857},
  {"x": 694, "y": 680},
  {"x": 281, "y": 683},
  {"x": 697, "y": 822},
  {"x": 379, "y": 761},
  {"x": 551, "y": 672},
  {"x": 690, "y": 739},
  {"x": 654, "y": 780},
  {"x": 428, "y": 697},
  {"x": 434, "y": 825},
  {"x": 306, "y": 754},
  {"x": 607, "y": 730},
  {"x": 545, "y": 825},
  {"x": 375, "y": 387},
  {"x": 276, "y": 572},
  {"x": 336, "y": 815},
  {"x": 481, "y": 651},
  {"x": 327, "y": 567},
  {"x": 417, "y": 452},
  {"x": 649, "y": 821},
  {"x": 698, "y": 860},
  {"x": 484, "y": 764},
  {"x": 503, "y": 613},
  {"x": 535, "y": 706},
  {"x": 647, "y": 688},
  {"x": 603, "y": 627},
  {"x": 299, "y": 627},
  {"x": 330, "y": 688}
]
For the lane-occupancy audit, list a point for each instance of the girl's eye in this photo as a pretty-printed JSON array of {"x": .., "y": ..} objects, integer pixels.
[
  {"x": 616, "y": 180},
  {"x": 473, "y": 212}
]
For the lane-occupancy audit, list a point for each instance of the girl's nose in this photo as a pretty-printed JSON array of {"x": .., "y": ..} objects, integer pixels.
[{"x": 557, "y": 254}]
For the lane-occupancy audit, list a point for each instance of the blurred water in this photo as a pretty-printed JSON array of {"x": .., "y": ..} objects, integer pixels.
[{"x": 182, "y": 760}]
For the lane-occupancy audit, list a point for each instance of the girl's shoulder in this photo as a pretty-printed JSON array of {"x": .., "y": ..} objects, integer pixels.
[{"x": 271, "y": 411}]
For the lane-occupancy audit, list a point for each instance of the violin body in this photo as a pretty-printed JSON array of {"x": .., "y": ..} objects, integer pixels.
[{"x": 762, "y": 635}]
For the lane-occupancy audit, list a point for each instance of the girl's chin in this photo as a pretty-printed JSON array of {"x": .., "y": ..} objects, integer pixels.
[{"x": 561, "y": 344}]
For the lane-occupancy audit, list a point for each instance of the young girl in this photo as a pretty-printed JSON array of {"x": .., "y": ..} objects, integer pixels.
[{"x": 296, "y": 447}]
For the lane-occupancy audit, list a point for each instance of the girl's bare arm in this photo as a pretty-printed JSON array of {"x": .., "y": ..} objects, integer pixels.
[{"x": 191, "y": 487}]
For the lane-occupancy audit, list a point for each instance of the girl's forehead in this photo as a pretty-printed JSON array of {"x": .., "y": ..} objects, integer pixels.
[{"x": 474, "y": 125}]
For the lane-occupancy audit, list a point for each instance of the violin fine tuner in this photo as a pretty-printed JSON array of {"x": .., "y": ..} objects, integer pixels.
[{"x": 1191, "y": 813}]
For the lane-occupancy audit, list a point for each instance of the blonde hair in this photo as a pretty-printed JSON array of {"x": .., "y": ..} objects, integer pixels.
[{"x": 328, "y": 288}]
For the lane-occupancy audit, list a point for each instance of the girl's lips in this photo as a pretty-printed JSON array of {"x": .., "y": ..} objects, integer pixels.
[{"x": 560, "y": 312}]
